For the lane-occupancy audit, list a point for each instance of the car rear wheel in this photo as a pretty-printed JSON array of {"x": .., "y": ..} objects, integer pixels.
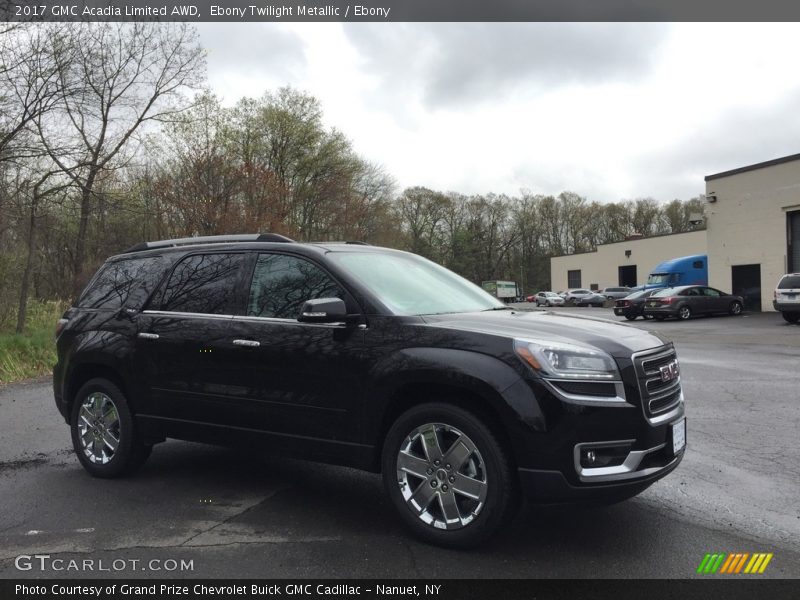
[
  {"x": 448, "y": 476},
  {"x": 791, "y": 317},
  {"x": 104, "y": 434},
  {"x": 630, "y": 317},
  {"x": 735, "y": 308},
  {"x": 684, "y": 312}
]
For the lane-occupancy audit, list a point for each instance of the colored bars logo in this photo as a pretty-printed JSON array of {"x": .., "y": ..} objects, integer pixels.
[{"x": 735, "y": 563}]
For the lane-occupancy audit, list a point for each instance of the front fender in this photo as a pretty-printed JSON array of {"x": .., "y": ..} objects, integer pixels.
[{"x": 496, "y": 383}]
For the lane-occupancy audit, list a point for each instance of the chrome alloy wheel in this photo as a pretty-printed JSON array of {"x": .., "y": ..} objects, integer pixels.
[
  {"x": 442, "y": 476},
  {"x": 99, "y": 428}
]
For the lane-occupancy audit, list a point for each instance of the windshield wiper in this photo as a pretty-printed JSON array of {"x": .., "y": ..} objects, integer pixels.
[{"x": 497, "y": 308}]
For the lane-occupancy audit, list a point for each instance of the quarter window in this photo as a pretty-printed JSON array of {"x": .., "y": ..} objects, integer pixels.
[
  {"x": 121, "y": 282},
  {"x": 203, "y": 283},
  {"x": 282, "y": 283}
]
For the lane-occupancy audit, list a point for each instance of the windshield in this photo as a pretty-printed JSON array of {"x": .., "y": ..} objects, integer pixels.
[
  {"x": 789, "y": 282},
  {"x": 658, "y": 278},
  {"x": 411, "y": 285}
]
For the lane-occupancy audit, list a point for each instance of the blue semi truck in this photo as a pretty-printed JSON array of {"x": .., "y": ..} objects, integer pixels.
[{"x": 684, "y": 270}]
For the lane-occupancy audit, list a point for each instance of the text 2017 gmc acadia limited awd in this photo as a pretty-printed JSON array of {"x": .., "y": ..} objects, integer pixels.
[{"x": 367, "y": 357}]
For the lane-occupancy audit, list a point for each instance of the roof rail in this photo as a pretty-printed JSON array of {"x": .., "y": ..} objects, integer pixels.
[{"x": 210, "y": 239}]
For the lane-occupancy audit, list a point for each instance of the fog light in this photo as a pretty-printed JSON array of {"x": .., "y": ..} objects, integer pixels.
[{"x": 591, "y": 457}]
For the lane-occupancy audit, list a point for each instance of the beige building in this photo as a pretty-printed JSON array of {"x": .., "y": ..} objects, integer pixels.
[
  {"x": 753, "y": 220},
  {"x": 752, "y": 237},
  {"x": 622, "y": 263}
]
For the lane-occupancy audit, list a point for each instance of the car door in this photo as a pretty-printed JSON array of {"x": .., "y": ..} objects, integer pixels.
[
  {"x": 179, "y": 336},
  {"x": 717, "y": 300},
  {"x": 691, "y": 297},
  {"x": 294, "y": 379}
]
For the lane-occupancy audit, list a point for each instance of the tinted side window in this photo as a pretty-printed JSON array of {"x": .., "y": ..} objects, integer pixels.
[
  {"x": 282, "y": 283},
  {"x": 711, "y": 292},
  {"x": 204, "y": 283},
  {"x": 121, "y": 282}
]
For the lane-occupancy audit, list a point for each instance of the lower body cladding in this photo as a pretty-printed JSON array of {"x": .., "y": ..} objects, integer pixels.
[{"x": 597, "y": 453}]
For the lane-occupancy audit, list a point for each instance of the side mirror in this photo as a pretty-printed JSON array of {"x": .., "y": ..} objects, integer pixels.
[{"x": 323, "y": 310}]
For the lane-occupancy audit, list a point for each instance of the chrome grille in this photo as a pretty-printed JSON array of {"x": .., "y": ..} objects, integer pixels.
[{"x": 659, "y": 395}]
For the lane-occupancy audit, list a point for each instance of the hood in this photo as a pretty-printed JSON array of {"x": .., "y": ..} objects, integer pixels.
[{"x": 615, "y": 338}]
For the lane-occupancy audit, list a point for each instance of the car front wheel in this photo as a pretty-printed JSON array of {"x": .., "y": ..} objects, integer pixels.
[
  {"x": 104, "y": 434},
  {"x": 448, "y": 476},
  {"x": 735, "y": 308}
]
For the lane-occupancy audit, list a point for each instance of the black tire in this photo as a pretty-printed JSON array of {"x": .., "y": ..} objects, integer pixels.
[
  {"x": 735, "y": 309},
  {"x": 684, "y": 312},
  {"x": 489, "y": 463},
  {"x": 130, "y": 453},
  {"x": 630, "y": 317},
  {"x": 791, "y": 317}
]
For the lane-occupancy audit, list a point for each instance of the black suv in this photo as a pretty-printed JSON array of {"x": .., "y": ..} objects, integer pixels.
[{"x": 367, "y": 357}]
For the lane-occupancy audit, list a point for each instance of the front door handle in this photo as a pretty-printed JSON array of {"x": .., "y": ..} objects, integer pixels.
[
  {"x": 148, "y": 336},
  {"x": 248, "y": 343}
]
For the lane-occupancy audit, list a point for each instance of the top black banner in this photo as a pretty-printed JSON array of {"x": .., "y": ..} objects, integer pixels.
[{"x": 400, "y": 10}]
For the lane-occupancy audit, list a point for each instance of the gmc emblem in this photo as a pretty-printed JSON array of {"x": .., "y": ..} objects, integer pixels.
[{"x": 670, "y": 371}]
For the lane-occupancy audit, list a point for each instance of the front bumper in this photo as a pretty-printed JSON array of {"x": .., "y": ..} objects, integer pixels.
[{"x": 552, "y": 486}]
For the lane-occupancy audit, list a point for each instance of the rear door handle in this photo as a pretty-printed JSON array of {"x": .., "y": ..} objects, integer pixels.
[
  {"x": 248, "y": 343},
  {"x": 148, "y": 336}
]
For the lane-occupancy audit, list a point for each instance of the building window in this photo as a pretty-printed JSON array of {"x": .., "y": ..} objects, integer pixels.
[{"x": 574, "y": 278}]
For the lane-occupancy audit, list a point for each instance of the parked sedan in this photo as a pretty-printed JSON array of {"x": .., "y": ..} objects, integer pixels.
[
  {"x": 632, "y": 305},
  {"x": 615, "y": 293},
  {"x": 684, "y": 301},
  {"x": 591, "y": 299},
  {"x": 548, "y": 299}
]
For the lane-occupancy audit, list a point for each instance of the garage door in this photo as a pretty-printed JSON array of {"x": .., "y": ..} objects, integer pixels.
[{"x": 794, "y": 241}]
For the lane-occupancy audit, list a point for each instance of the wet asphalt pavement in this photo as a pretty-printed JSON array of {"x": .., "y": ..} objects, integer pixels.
[{"x": 227, "y": 514}]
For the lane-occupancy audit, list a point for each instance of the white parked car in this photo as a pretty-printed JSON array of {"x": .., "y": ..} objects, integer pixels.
[
  {"x": 548, "y": 299},
  {"x": 575, "y": 294},
  {"x": 787, "y": 297}
]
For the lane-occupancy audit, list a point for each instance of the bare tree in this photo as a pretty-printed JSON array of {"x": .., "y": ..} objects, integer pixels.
[{"x": 122, "y": 77}]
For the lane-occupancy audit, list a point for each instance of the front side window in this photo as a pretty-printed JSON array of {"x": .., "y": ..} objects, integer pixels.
[
  {"x": 204, "y": 283},
  {"x": 282, "y": 283}
]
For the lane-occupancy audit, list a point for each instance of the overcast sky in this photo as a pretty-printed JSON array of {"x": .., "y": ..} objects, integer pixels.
[{"x": 610, "y": 111}]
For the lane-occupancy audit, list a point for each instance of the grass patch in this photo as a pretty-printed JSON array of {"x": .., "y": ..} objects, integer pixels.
[{"x": 33, "y": 353}]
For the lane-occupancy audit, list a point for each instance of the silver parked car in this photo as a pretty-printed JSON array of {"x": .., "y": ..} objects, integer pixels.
[
  {"x": 787, "y": 297},
  {"x": 615, "y": 293},
  {"x": 548, "y": 299},
  {"x": 575, "y": 294}
]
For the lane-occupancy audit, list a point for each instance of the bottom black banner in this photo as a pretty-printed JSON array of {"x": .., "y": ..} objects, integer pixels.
[{"x": 439, "y": 589}]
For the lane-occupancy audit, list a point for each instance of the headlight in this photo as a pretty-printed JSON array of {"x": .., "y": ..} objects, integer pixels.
[{"x": 556, "y": 360}]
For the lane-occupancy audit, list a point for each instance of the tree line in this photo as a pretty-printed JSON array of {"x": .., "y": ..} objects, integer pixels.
[{"x": 109, "y": 136}]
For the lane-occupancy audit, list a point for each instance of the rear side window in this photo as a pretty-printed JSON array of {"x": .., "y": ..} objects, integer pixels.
[
  {"x": 204, "y": 283},
  {"x": 282, "y": 283},
  {"x": 790, "y": 282},
  {"x": 121, "y": 283}
]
